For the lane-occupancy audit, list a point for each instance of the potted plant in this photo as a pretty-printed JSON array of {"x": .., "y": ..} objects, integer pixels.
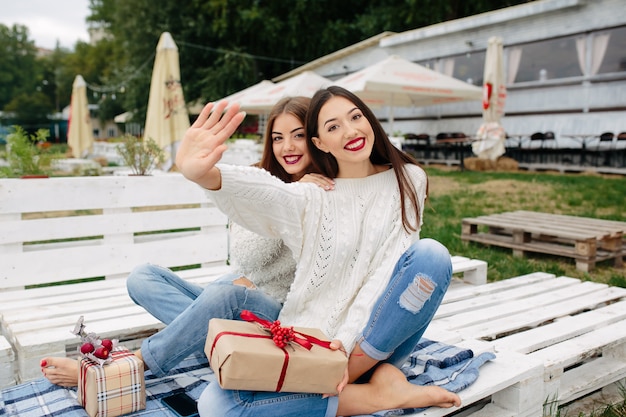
[
  {"x": 142, "y": 156},
  {"x": 27, "y": 155}
]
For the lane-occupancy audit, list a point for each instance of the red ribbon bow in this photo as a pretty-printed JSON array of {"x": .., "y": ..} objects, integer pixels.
[{"x": 283, "y": 335}]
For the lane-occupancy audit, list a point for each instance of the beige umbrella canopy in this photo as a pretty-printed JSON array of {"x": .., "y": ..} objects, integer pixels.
[
  {"x": 262, "y": 100},
  {"x": 397, "y": 82},
  {"x": 491, "y": 135},
  {"x": 79, "y": 130},
  {"x": 167, "y": 118},
  {"x": 248, "y": 93}
]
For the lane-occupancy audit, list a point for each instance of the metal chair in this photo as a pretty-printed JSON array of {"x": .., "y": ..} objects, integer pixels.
[
  {"x": 602, "y": 150},
  {"x": 621, "y": 150},
  {"x": 417, "y": 144},
  {"x": 535, "y": 146},
  {"x": 549, "y": 146}
]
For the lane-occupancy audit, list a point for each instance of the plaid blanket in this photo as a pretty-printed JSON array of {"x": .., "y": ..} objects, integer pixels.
[{"x": 432, "y": 363}]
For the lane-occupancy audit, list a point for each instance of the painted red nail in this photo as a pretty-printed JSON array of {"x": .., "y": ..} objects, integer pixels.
[{"x": 44, "y": 363}]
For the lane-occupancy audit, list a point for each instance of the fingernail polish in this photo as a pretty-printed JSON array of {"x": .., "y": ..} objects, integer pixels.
[{"x": 44, "y": 363}]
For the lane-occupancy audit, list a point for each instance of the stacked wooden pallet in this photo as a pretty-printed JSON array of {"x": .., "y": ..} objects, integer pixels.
[{"x": 584, "y": 239}]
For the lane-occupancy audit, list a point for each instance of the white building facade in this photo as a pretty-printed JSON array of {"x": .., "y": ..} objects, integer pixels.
[{"x": 565, "y": 67}]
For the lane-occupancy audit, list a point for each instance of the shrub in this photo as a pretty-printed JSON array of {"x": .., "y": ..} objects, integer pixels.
[
  {"x": 27, "y": 154},
  {"x": 142, "y": 156}
]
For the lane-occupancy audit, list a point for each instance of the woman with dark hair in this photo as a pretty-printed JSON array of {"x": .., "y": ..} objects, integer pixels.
[
  {"x": 264, "y": 267},
  {"x": 363, "y": 275}
]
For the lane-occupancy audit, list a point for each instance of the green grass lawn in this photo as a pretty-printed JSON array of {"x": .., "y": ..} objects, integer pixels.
[{"x": 454, "y": 195}]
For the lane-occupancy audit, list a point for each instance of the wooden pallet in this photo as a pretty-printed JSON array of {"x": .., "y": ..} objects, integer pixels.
[
  {"x": 584, "y": 239},
  {"x": 7, "y": 368},
  {"x": 575, "y": 329}
]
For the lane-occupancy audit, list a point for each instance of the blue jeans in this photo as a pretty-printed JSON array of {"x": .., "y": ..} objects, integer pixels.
[
  {"x": 399, "y": 318},
  {"x": 186, "y": 309}
]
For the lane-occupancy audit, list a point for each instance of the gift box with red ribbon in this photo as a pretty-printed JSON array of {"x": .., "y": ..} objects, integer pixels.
[
  {"x": 114, "y": 388},
  {"x": 259, "y": 355}
]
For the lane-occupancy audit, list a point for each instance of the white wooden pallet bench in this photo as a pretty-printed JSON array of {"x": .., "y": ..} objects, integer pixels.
[
  {"x": 55, "y": 230},
  {"x": 59, "y": 229},
  {"x": 575, "y": 329}
]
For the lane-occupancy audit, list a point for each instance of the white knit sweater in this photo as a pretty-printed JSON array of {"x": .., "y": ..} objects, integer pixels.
[
  {"x": 346, "y": 242},
  {"x": 266, "y": 262}
]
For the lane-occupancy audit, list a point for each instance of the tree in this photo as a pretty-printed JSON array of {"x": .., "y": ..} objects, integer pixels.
[
  {"x": 18, "y": 64},
  {"x": 30, "y": 110}
]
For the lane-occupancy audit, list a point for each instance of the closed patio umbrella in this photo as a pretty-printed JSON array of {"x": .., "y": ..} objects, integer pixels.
[
  {"x": 167, "y": 118},
  {"x": 491, "y": 135},
  {"x": 79, "y": 130}
]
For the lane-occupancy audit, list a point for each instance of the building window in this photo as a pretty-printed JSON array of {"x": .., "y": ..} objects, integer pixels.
[
  {"x": 615, "y": 55},
  {"x": 470, "y": 67},
  {"x": 553, "y": 58}
]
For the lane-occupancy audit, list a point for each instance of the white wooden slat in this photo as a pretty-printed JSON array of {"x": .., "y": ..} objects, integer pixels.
[
  {"x": 573, "y": 351},
  {"x": 68, "y": 193},
  {"x": 474, "y": 271},
  {"x": 126, "y": 325},
  {"x": 72, "y": 227},
  {"x": 58, "y": 306},
  {"x": 537, "y": 314},
  {"x": 69, "y": 320},
  {"x": 590, "y": 377},
  {"x": 468, "y": 292},
  {"x": 513, "y": 294},
  {"x": 93, "y": 261},
  {"x": 515, "y": 306},
  {"x": 50, "y": 291},
  {"x": 563, "y": 329}
]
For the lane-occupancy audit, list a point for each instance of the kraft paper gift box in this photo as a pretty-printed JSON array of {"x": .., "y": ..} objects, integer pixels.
[
  {"x": 112, "y": 389},
  {"x": 244, "y": 356}
]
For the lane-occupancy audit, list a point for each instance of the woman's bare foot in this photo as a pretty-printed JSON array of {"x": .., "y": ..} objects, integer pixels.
[
  {"x": 64, "y": 371},
  {"x": 60, "y": 371},
  {"x": 387, "y": 389}
]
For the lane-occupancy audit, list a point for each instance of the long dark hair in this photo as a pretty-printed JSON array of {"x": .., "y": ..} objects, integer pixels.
[
  {"x": 383, "y": 153},
  {"x": 297, "y": 107}
]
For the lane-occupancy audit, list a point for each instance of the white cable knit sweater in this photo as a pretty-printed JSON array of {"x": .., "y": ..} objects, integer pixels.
[
  {"x": 266, "y": 262},
  {"x": 346, "y": 242}
]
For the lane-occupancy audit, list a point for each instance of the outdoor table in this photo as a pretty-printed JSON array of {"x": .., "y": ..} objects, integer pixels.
[
  {"x": 458, "y": 143},
  {"x": 583, "y": 139}
]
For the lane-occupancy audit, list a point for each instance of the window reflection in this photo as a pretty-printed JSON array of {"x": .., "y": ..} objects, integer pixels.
[
  {"x": 615, "y": 56},
  {"x": 553, "y": 58},
  {"x": 470, "y": 67}
]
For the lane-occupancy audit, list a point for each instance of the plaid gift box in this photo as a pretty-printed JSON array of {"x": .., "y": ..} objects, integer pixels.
[
  {"x": 113, "y": 389},
  {"x": 244, "y": 356}
]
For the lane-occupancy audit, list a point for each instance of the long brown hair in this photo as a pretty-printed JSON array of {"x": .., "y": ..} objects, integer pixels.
[
  {"x": 383, "y": 153},
  {"x": 297, "y": 107}
]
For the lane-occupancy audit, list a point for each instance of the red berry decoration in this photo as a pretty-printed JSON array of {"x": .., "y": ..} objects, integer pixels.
[
  {"x": 281, "y": 335},
  {"x": 86, "y": 348},
  {"x": 101, "y": 353},
  {"x": 108, "y": 344}
]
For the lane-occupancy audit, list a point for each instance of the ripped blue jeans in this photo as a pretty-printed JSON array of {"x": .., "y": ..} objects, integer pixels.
[{"x": 400, "y": 317}]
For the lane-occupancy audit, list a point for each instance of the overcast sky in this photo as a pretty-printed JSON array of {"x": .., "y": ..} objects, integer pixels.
[{"x": 48, "y": 20}]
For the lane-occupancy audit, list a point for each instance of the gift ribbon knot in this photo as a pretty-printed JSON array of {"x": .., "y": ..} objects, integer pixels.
[{"x": 284, "y": 335}]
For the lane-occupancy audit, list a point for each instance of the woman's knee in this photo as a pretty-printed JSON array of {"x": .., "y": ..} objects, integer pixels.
[
  {"x": 432, "y": 250},
  {"x": 139, "y": 277},
  {"x": 431, "y": 258},
  {"x": 213, "y": 402}
]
